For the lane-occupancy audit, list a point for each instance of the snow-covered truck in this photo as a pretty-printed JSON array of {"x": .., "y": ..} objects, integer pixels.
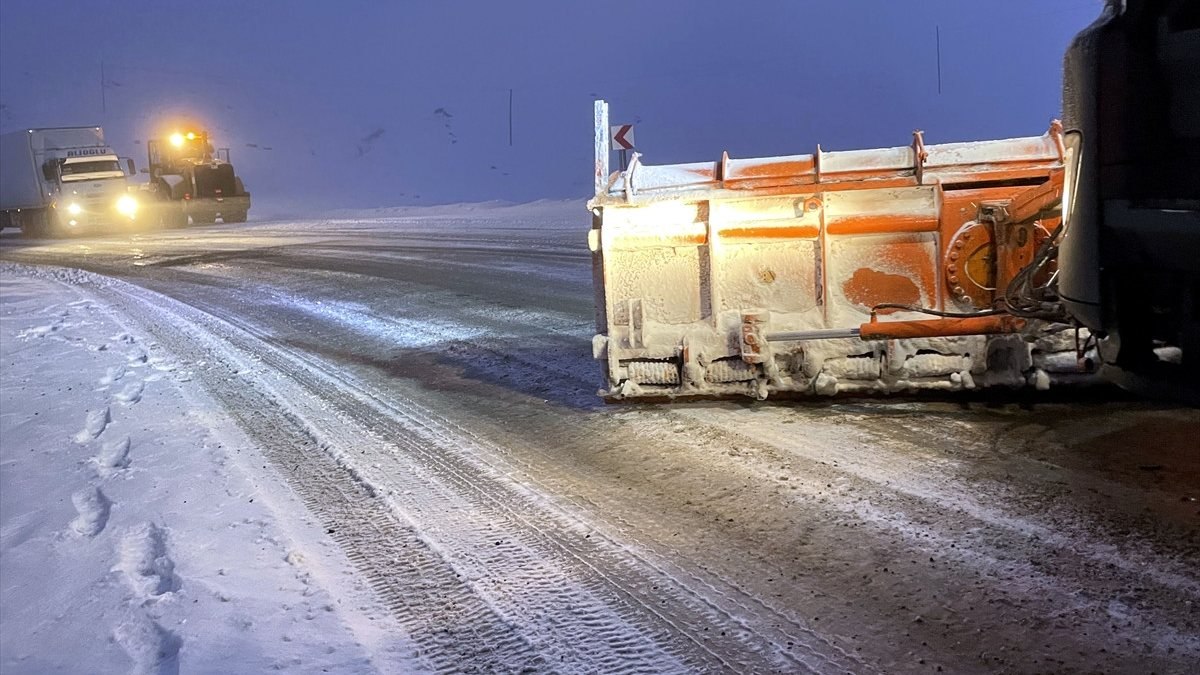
[
  {"x": 63, "y": 179},
  {"x": 862, "y": 270},
  {"x": 1063, "y": 258}
]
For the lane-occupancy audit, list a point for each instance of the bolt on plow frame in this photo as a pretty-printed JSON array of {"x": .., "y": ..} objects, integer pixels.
[{"x": 913, "y": 267}]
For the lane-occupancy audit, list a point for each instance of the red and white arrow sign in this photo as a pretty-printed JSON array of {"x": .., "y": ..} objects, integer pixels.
[{"x": 622, "y": 136}]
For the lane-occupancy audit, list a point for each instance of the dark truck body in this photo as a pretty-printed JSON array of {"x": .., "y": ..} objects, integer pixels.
[
  {"x": 1130, "y": 261},
  {"x": 217, "y": 192}
]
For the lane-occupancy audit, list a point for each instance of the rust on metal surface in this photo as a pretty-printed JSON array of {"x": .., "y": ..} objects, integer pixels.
[
  {"x": 767, "y": 187},
  {"x": 901, "y": 272},
  {"x": 775, "y": 169},
  {"x": 869, "y": 287},
  {"x": 920, "y": 154}
]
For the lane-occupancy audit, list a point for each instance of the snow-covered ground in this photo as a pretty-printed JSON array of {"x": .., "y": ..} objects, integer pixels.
[
  {"x": 409, "y": 398},
  {"x": 139, "y": 531}
]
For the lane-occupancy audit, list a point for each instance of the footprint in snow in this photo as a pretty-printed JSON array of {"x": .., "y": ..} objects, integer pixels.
[
  {"x": 112, "y": 375},
  {"x": 94, "y": 425},
  {"x": 131, "y": 393},
  {"x": 123, "y": 337},
  {"x": 92, "y": 507},
  {"x": 40, "y": 331},
  {"x": 145, "y": 563},
  {"x": 136, "y": 356},
  {"x": 153, "y": 649},
  {"x": 113, "y": 457}
]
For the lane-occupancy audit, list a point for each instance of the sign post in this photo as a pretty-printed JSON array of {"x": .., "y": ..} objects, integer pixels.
[{"x": 603, "y": 152}]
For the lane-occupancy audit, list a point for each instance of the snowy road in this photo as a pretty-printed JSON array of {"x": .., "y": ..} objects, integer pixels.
[{"x": 424, "y": 384}]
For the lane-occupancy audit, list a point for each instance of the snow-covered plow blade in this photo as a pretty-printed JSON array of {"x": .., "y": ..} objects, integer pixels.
[{"x": 864, "y": 270}]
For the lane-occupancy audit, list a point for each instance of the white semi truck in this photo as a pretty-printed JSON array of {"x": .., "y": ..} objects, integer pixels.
[{"x": 61, "y": 180}]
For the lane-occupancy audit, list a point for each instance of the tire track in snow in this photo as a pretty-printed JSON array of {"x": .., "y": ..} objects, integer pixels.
[
  {"x": 910, "y": 474},
  {"x": 453, "y": 625},
  {"x": 791, "y": 636},
  {"x": 918, "y": 497},
  {"x": 793, "y": 642},
  {"x": 453, "y": 621},
  {"x": 591, "y": 600}
]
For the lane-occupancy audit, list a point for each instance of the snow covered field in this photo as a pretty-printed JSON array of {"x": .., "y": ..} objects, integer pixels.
[{"x": 373, "y": 442}]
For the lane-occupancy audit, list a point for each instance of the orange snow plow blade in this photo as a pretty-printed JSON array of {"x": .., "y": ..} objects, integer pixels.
[{"x": 818, "y": 273}]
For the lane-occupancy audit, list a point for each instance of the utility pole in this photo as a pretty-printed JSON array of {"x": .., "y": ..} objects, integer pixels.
[{"x": 938, "y": 42}]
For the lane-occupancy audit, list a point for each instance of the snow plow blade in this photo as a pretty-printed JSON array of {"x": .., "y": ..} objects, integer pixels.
[{"x": 782, "y": 274}]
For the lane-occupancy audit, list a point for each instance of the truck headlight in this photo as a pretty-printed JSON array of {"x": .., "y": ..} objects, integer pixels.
[
  {"x": 127, "y": 206},
  {"x": 74, "y": 209}
]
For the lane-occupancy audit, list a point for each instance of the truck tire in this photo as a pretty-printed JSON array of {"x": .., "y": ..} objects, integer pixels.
[
  {"x": 33, "y": 224},
  {"x": 239, "y": 217}
]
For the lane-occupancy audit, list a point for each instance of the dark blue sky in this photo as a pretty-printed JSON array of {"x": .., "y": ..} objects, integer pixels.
[{"x": 346, "y": 95}]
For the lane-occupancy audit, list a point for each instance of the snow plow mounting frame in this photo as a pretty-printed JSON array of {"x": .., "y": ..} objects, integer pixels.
[{"x": 752, "y": 276}]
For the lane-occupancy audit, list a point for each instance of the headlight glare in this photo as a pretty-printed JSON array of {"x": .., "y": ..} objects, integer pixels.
[
  {"x": 127, "y": 206},
  {"x": 74, "y": 209}
]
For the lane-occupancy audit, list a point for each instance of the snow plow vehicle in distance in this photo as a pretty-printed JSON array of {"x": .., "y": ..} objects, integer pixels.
[
  {"x": 191, "y": 180},
  {"x": 864, "y": 271}
]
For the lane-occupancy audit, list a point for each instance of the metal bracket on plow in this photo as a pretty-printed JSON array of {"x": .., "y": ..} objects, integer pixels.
[
  {"x": 637, "y": 320},
  {"x": 754, "y": 342}
]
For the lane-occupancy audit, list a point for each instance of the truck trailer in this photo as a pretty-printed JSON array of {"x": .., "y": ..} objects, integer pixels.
[{"x": 62, "y": 180}]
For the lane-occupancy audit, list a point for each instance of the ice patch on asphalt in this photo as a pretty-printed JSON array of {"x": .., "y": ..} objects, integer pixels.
[{"x": 401, "y": 332}]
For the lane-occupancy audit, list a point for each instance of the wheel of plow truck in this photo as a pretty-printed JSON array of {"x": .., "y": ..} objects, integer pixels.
[
  {"x": 970, "y": 264},
  {"x": 171, "y": 215},
  {"x": 239, "y": 217}
]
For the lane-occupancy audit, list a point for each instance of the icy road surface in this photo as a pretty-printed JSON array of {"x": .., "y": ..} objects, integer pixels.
[{"x": 420, "y": 385}]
